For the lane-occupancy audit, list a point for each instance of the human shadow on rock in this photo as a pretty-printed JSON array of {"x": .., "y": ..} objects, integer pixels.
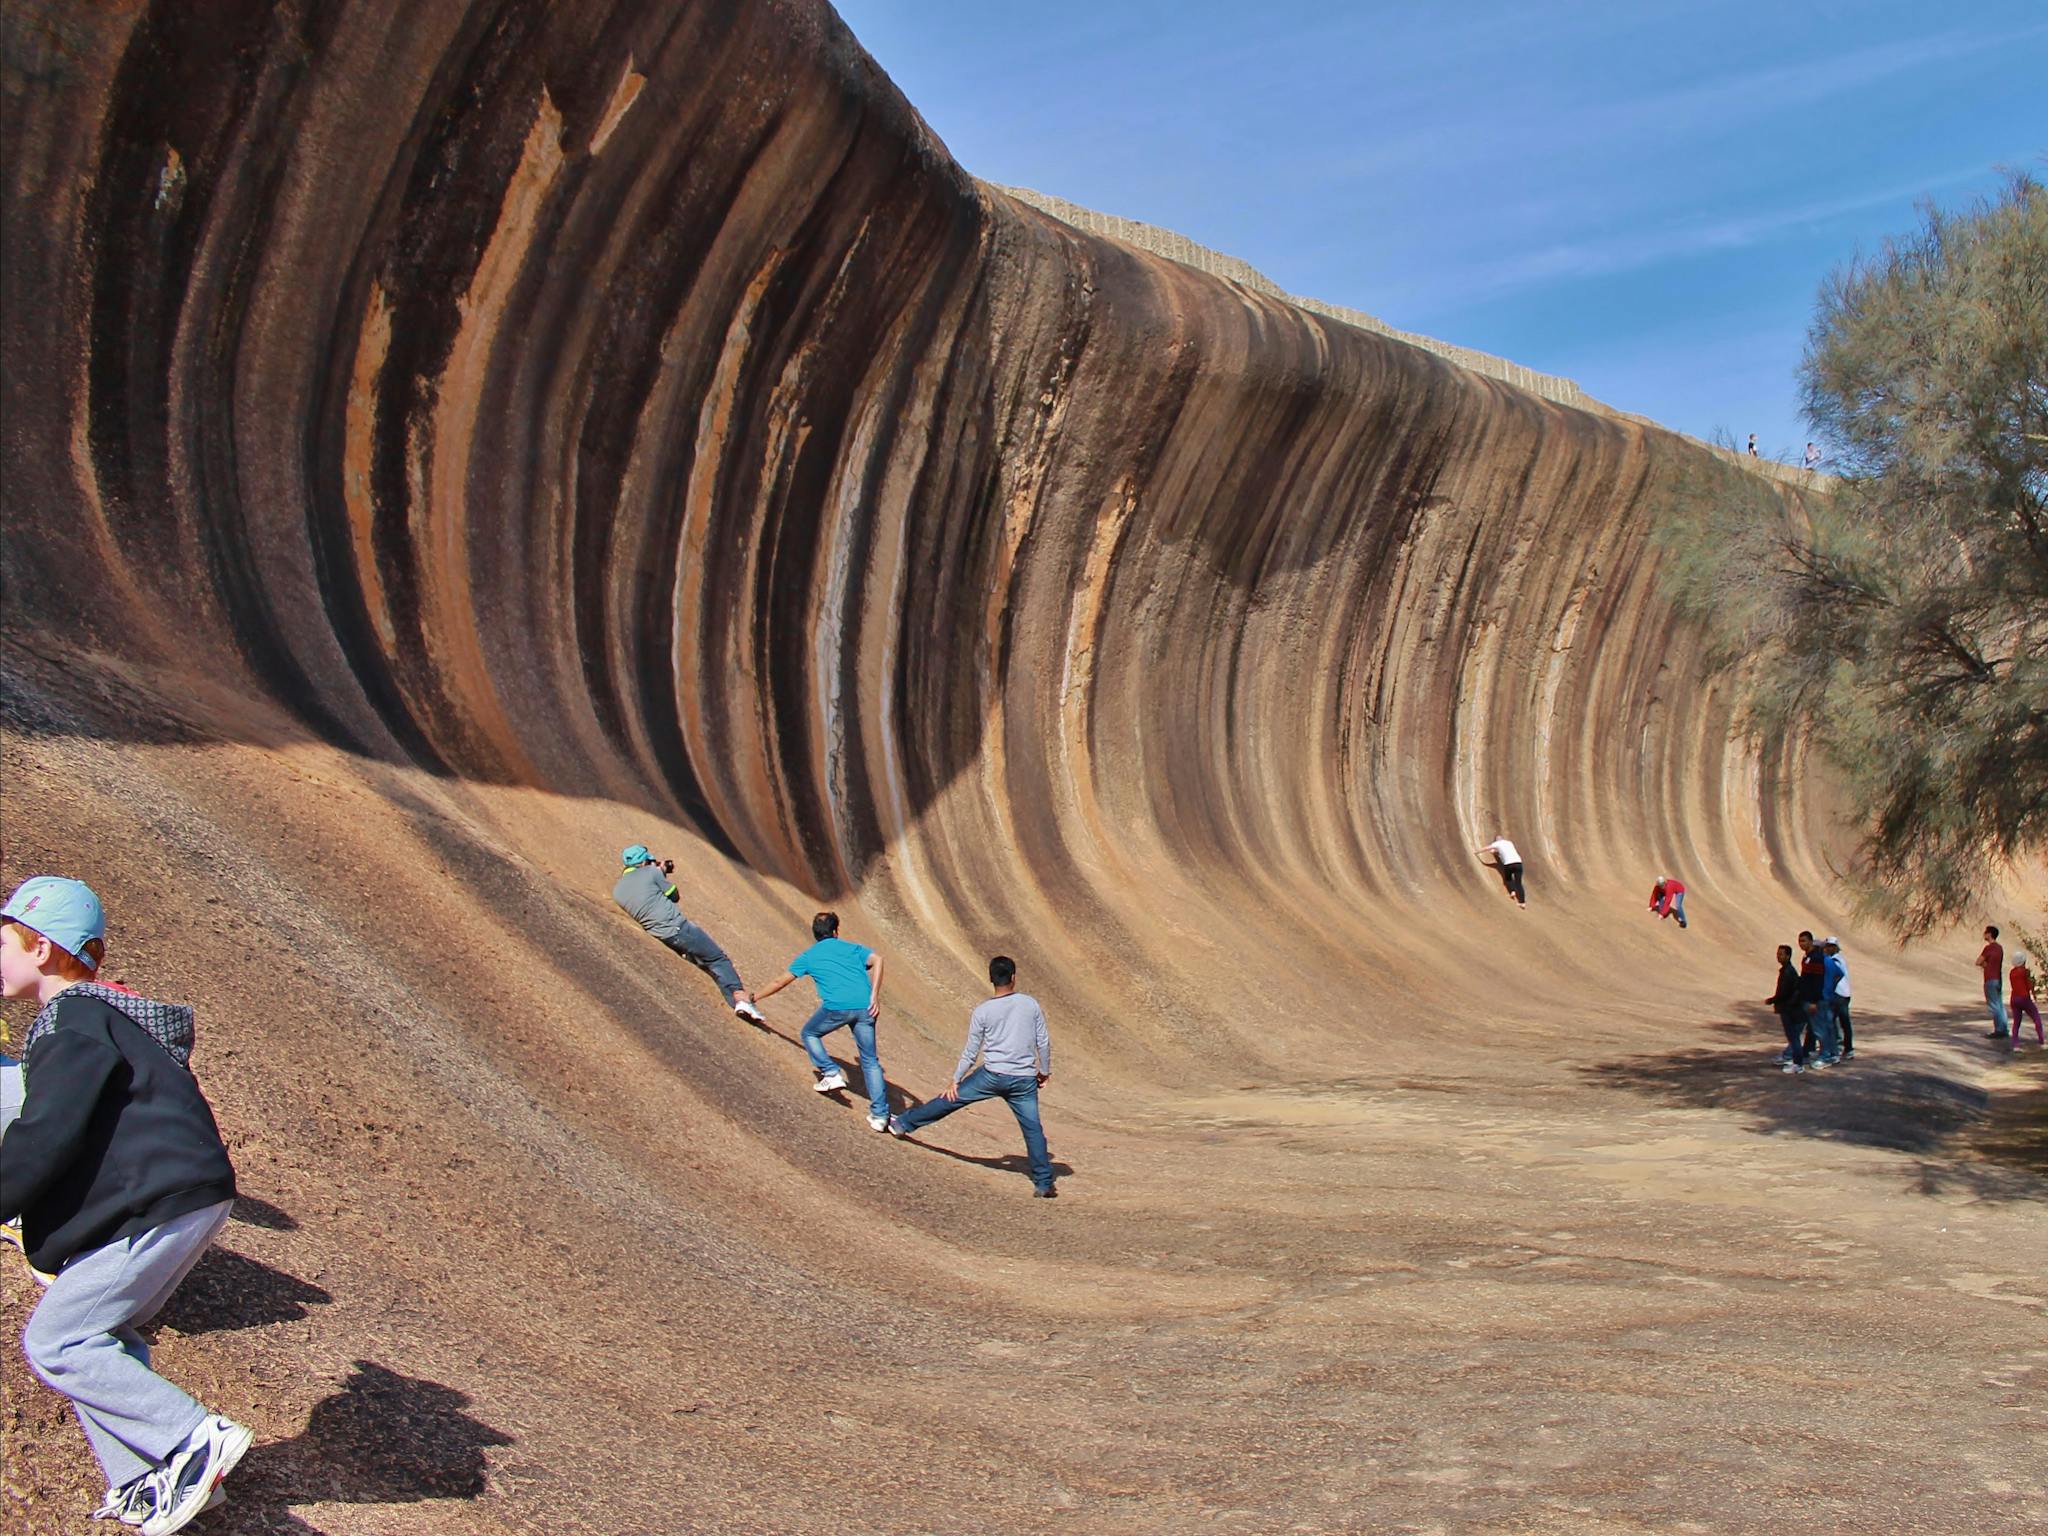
[
  {"x": 384, "y": 1438},
  {"x": 261, "y": 1213},
  {"x": 1008, "y": 1162},
  {"x": 227, "y": 1291}
]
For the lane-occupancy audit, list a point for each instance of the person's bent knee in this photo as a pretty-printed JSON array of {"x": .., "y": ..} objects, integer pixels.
[{"x": 49, "y": 1353}]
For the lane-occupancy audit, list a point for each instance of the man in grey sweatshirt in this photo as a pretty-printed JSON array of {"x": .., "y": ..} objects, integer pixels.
[{"x": 1008, "y": 1033}]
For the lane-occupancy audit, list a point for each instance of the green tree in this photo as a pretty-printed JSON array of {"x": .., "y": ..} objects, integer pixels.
[{"x": 1899, "y": 614}]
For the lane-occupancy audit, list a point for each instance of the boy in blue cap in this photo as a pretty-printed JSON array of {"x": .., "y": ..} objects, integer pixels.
[
  {"x": 646, "y": 892},
  {"x": 116, "y": 1172},
  {"x": 849, "y": 982}
]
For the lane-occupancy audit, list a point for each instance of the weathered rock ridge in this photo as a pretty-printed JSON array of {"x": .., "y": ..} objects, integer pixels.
[{"x": 638, "y": 401}]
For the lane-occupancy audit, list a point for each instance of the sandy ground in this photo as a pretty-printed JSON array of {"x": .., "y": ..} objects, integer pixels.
[{"x": 532, "y": 1243}]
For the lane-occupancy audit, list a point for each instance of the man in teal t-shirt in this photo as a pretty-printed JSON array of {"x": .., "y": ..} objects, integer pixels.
[{"x": 849, "y": 982}]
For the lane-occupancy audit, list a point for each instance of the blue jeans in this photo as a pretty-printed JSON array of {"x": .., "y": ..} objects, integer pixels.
[
  {"x": 822, "y": 1023},
  {"x": 1022, "y": 1095},
  {"x": 1994, "y": 994},
  {"x": 1826, "y": 1036}
]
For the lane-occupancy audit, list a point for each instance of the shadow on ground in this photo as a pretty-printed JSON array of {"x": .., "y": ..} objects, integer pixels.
[
  {"x": 227, "y": 1291},
  {"x": 1990, "y": 1143},
  {"x": 384, "y": 1438}
]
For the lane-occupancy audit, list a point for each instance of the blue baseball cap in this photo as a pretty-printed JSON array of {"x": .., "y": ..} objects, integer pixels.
[
  {"x": 637, "y": 855},
  {"x": 66, "y": 912}
]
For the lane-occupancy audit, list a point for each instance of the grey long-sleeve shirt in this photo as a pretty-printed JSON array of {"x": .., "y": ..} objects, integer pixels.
[{"x": 1008, "y": 1034}]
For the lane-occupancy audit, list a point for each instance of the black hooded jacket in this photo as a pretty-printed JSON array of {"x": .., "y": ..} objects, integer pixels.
[{"x": 114, "y": 1136}]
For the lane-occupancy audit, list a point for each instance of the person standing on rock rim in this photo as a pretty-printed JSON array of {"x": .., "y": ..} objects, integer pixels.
[
  {"x": 849, "y": 982},
  {"x": 116, "y": 1174},
  {"x": 1834, "y": 991},
  {"x": 649, "y": 896},
  {"x": 2023, "y": 1004},
  {"x": 1008, "y": 1033},
  {"x": 1812, "y": 457},
  {"x": 1752, "y": 446},
  {"x": 1991, "y": 960},
  {"x": 1790, "y": 1011},
  {"x": 1509, "y": 862},
  {"x": 1667, "y": 898}
]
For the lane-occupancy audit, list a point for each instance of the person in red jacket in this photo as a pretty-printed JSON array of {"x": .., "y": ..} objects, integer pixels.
[
  {"x": 1667, "y": 898},
  {"x": 2021, "y": 997}
]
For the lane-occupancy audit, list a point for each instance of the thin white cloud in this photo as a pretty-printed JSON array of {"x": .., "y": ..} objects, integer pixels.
[
  {"x": 1526, "y": 129},
  {"x": 1633, "y": 250}
]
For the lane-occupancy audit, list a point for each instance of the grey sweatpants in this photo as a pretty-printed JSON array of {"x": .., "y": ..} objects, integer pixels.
[
  {"x": 81, "y": 1340},
  {"x": 699, "y": 947}
]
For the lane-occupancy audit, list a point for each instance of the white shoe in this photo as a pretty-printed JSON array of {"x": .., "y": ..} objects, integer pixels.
[
  {"x": 136, "y": 1503},
  {"x": 829, "y": 1082},
  {"x": 747, "y": 1010},
  {"x": 878, "y": 1122},
  {"x": 192, "y": 1477}
]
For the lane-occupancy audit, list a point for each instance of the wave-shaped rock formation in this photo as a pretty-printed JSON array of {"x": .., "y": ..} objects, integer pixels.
[{"x": 444, "y": 441}]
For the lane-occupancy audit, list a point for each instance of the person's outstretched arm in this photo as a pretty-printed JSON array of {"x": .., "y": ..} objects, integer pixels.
[
  {"x": 874, "y": 985},
  {"x": 975, "y": 1031},
  {"x": 1042, "y": 1044},
  {"x": 774, "y": 986}
]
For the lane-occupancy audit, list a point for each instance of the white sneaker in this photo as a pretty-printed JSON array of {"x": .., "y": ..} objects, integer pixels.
[
  {"x": 829, "y": 1082},
  {"x": 878, "y": 1122},
  {"x": 1791, "y": 1066},
  {"x": 193, "y": 1476},
  {"x": 136, "y": 1503},
  {"x": 747, "y": 1010}
]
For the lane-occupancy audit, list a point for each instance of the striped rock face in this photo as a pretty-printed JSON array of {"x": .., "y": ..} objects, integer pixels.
[{"x": 637, "y": 400}]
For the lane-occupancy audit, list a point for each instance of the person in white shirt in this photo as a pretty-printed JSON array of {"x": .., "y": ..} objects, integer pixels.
[
  {"x": 1812, "y": 457},
  {"x": 1509, "y": 863}
]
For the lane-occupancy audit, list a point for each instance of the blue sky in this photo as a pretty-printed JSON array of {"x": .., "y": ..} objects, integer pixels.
[{"x": 1643, "y": 195}]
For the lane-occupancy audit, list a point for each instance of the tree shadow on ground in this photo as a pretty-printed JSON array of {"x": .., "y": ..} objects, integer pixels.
[
  {"x": 227, "y": 1291},
  {"x": 384, "y": 1438},
  {"x": 1989, "y": 1143}
]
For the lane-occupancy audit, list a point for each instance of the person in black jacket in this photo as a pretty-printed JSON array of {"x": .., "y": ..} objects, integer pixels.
[
  {"x": 115, "y": 1172},
  {"x": 1791, "y": 1011}
]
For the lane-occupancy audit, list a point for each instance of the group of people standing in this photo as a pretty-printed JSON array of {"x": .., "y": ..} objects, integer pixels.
[
  {"x": 1007, "y": 1033},
  {"x": 1812, "y": 1003},
  {"x": 1991, "y": 960}
]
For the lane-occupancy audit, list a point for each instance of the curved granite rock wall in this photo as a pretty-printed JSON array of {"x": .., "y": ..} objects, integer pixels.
[{"x": 637, "y": 401}]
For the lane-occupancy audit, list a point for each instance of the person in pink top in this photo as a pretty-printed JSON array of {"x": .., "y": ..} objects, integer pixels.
[
  {"x": 2022, "y": 999},
  {"x": 1667, "y": 898}
]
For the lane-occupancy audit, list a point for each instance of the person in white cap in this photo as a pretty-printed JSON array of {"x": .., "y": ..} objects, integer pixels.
[
  {"x": 116, "y": 1173},
  {"x": 1508, "y": 861},
  {"x": 1834, "y": 988}
]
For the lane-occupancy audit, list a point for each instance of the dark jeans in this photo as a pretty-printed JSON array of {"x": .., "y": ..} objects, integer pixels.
[
  {"x": 1022, "y": 1095},
  {"x": 698, "y": 947},
  {"x": 1511, "y": 877},
  {"x": 1795, "y": 1027},
  {"x": 1841, "y": 1007}
]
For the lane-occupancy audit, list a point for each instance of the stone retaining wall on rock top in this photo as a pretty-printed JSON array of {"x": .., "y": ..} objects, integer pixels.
[{"x": 1551, "y": 386}]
